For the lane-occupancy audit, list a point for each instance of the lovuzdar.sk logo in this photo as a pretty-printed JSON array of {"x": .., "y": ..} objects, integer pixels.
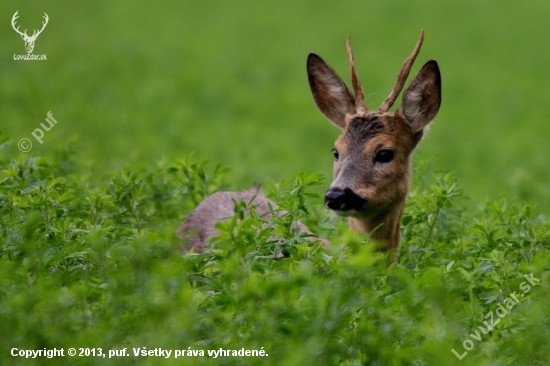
[{"x": 29, "y": 40}]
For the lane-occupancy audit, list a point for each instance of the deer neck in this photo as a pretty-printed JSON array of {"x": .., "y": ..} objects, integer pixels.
[{"x": 382, "y": 227}]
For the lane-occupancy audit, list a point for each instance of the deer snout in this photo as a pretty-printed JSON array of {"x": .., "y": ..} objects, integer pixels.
[{"x": 339, "y": 199}]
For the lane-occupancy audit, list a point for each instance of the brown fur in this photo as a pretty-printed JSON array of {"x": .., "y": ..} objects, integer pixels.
[
  {"x": 381, "y": 186},
  {"x": 198, "y": 228}
]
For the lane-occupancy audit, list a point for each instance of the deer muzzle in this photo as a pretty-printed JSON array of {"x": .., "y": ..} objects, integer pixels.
[{"x": 343, "y": 201}]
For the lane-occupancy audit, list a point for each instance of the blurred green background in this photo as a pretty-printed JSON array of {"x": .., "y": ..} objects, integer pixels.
[{"x": 133, "y": 82}]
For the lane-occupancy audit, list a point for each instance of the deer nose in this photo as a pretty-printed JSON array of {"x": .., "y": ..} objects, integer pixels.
[{"x": 343, "y": 200}]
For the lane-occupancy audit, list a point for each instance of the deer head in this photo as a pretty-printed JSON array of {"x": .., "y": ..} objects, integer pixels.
[
  {"x": 29, "y": 40},
  {"x": 371, "y": 157}
]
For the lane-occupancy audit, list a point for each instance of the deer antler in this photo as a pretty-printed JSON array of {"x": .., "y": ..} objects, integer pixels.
[
  {"x": 43, "y": 26},
  {"x": 13, "y": 19},
  {"x": 360, "y": 106},
  {"x": 403, "y": 74}
]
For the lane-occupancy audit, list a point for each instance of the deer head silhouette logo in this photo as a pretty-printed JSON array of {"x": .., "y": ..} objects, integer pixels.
[{"x": 29, "y": 40}]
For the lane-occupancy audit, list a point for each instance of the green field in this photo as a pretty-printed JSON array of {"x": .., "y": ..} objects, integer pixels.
[
  {"x": 88, "y": 255},
  {"x": 134, "y": 83}
]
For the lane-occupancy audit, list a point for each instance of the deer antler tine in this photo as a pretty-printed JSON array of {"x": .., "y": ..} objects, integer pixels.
[
  {"x": 43, "y": 24},
  {"x": 16, "y": 28},
  {"x": 360, "y": 106},
  {"x": 403, "y": 74}
]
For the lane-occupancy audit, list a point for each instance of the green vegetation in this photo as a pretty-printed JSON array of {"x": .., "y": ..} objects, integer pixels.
[
  {"x": 88, "y": 266},
  {"x": 143, "y": 92},
  {"x": 137, "y": 81}
]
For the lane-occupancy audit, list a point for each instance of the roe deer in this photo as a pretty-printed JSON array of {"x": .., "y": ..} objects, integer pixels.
[
  {"x": 371, "y": 157},
  {"x": 199, "y": 226}
]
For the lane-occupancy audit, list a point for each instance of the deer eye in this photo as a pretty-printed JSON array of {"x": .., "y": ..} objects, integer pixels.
[
  {"x": 336, "y": 154},
  {"x": 383, "y": 156}
]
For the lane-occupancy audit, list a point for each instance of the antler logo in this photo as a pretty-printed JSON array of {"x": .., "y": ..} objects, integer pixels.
[{"x": 29, "y": 40}]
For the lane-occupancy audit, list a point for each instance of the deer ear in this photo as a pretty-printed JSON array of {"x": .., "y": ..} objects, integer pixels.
[
  {"x": 422, "y": 98},
  {"x": 330, "y": 93}
]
